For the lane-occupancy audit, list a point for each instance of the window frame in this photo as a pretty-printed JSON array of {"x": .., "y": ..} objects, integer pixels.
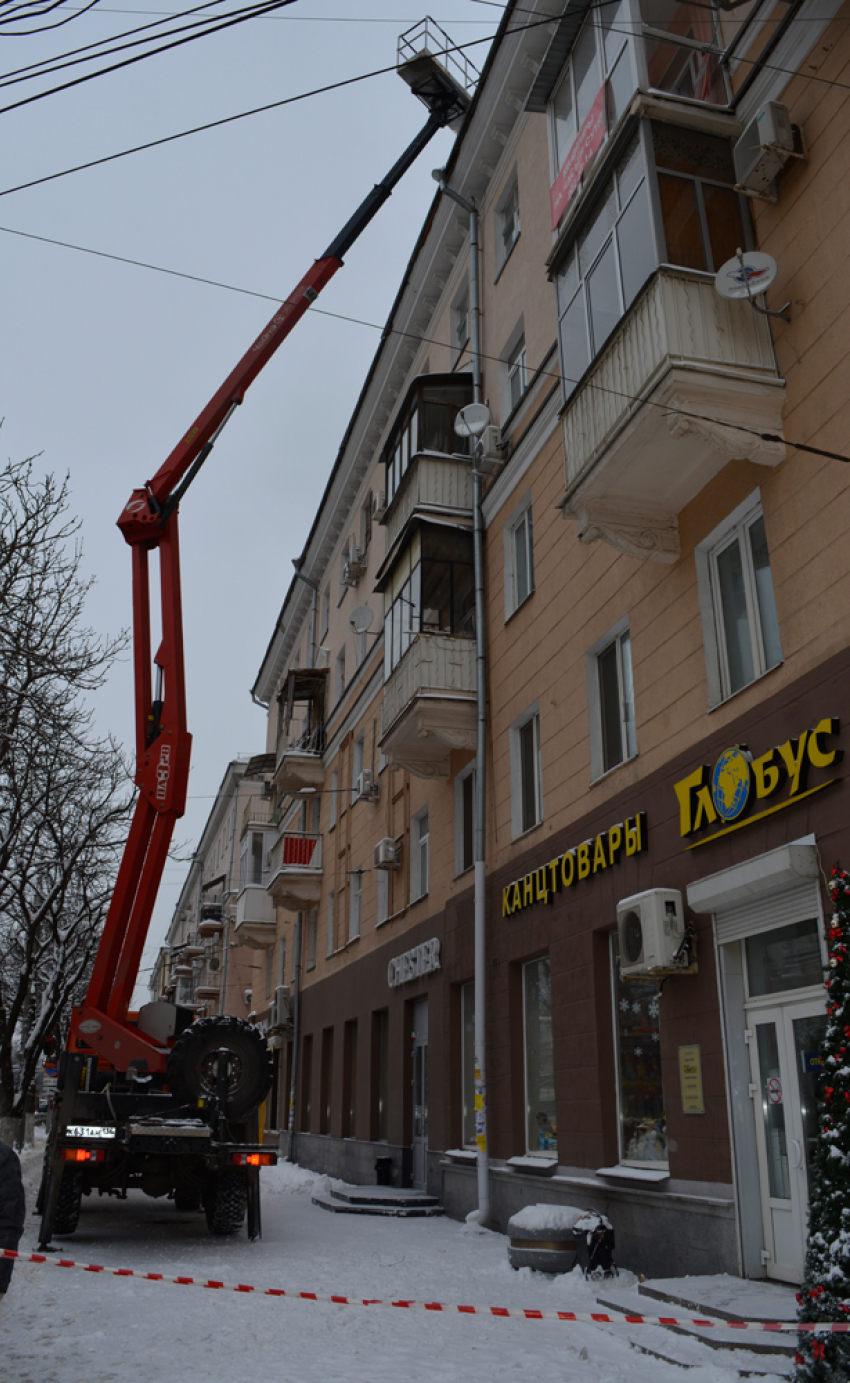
[
  {"x": 535, "y": 1152},
  {"x": 517, "y": 369},
  {"x": 507, "y": 210},
  {"x": 655, "y": 1165},
  {"x": 735, "y": 527},
  {"x": 466, "y": 775},
  {"x": 355, "y": 904},
  {"x": 331, "y": 917},
  {"x": 312, "y": 929},
  {"x": 518, "y": 826},
  {"x": 521, "y": 515},
  {"x": 418, "y": 839},
  {"x": 598, "y": 767}
]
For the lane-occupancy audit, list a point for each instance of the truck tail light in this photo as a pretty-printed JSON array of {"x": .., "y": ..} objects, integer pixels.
[
  {"x": 254, "y": 1159},
  {"x": 83, "y": 1155}
]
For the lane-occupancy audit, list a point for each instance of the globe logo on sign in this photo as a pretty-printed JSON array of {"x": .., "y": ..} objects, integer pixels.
[{"x": 730, "y": 783}]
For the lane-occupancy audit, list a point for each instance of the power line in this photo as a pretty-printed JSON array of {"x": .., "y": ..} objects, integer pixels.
[
  {"x": 47, "y": 28},
  {"x": 395, "y": 331}
]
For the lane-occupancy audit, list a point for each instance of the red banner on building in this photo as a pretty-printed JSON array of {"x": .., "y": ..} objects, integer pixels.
[{"x": 590, "y": 136}]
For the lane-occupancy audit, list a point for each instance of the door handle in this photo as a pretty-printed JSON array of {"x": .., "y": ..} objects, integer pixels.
[{"x": 799, "y": 1154}]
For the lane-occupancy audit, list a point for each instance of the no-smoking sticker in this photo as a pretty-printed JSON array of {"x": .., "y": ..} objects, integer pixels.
[{"x": 774, "y": 1090}]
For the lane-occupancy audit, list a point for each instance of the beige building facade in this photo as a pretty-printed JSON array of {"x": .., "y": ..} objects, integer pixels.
[{"x": 666, "y": 636}]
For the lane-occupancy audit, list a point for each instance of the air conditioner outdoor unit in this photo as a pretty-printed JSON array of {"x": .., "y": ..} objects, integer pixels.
[
  {"x": 366, "y": 786},
  {"x": 353, "y": 567},
  {"x": 763, "y": 149},
  {"x": 387, "y": 854},
  {"x": 651, "y": 929},
  {"x": 490, "y": 460},
  {"x": 280, "y": 1011},
  {"x": 379, "y": 505}
]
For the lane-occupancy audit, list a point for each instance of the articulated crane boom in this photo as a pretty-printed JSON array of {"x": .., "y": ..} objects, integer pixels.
[{"x": 120, "y": 1071}]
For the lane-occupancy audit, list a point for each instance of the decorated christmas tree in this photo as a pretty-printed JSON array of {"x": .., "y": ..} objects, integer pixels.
[{"x": 825, "y": 1294}]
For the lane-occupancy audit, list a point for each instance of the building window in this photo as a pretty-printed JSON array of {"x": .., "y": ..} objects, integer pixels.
[
  {"x": 740, "y": 627},
  {"x": 331, "y": 924},
  {"x": 700, "y": 209},
  {"x": 366, "y": 523},
  {"x": 507, "y": 223},
  {"x": 541, "y": 1115},
  {"x": 610, "y": 700},
  {"x": 640, "y": 1097},
  {"x": 312, "y": 924},
  {"x": 460, "y": 323},
  {"x": 465, "y": 819},
  {"x": 425, "y": 422},
  {"x": 326, "y": 614},
  {"x": 340, "y": 673},
  {"x": 526, "y": 788},
  {"x": 349, "y": 1079},
  {"x": 517, "y": 373},
  {"x": 357, "y": 765},
  {"x": 519, "y": 556},
  {"x": 354, "y": 901},
  {"x": 419, "y": 855},
  {"x": 383, "y": 895},
  {"x": 467, "y": 996},
  {"x": 380, "y": 1075},
  {"x": 432, "y": 591},
  {"x": 334, "y": 796}
]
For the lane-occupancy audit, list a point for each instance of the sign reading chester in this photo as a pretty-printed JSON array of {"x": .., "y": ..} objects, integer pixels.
[{"x": 740, "y": 789}]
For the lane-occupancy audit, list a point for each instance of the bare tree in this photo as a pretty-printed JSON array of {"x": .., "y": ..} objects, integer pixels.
[{"x": 64, "y": 792}]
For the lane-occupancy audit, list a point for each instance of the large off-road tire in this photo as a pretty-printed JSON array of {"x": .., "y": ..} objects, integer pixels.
[
  {"x": 226, "y": 1200},
  {"x": 70, "y": 1199},
  {"x": 193, "y": 1064}
]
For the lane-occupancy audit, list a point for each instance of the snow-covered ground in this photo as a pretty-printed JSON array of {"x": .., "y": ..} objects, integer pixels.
[{"x": 59, "y": 1326}]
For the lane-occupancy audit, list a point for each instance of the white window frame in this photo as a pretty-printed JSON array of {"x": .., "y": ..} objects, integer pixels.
[
  {"x": 419, "y": 855},
  {"x": 517, "y": 364},
  {"x": 383, "y": 907},
  {"x": 520, "y": 518},
  {"x": 461, "y": 779},
  {"x": 532, "y": 714},
  {"x": 615, "y": 634},
  {"x": 507, "y": 222},
  {"x": 331, "y": 923},
  {"x": 355, "y": 903},
  {"x": 358, "y": 752},
  {"x": 736, "y": 525}
]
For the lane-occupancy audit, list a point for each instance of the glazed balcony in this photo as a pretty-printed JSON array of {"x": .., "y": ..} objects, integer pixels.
[
  {"x": 255, "y": 917},
  {"x": 429, "y": 705},
  {"x": 432, "y": 485},
  {"x": 684, "y": 386},
  {"x": 295, "y": 870}
]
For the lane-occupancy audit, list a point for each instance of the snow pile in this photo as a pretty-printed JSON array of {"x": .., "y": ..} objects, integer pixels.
[{"x": 536, "y": 1217}]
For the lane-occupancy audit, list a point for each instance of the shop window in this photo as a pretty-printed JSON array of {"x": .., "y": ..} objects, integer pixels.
[
  {"x": 507, "y": 223},
  {"x": 419, "y": 836},
  {"x": 432, "y": 591},
  {"x": 526, "y": 789},
  {"x": 541, "y": 1114},
  {"x": 380, "y": 1075},
  {"x": 740, "y": 627},
  {"x": 331, "y": 924},
  {"x": 349, "y": 1080},
  {"x": 610, "y": 700},
  {"x": 465, "y": 819},
  {"x": 640, "y": 1097},
  {"x": 354, "y": 902},
  {"x": 326, "y": 1080},
  {"x": 467, "y": 994},
  {"x": 312, "y": 925},
  {"x": 785, "y": 958}
]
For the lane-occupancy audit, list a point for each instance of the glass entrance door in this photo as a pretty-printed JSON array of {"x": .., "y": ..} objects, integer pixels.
[
  {"x": 785, "y": 1061},
  {"x": 420, "y": 1094}
]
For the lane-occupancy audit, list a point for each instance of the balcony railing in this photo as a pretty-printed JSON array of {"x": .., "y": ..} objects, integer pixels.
[
  {"x": 258, "y": 811},
  {"x": 429, "y": 705},
  {"x": 295, "y": 870},
  {"x": 300, "y": 764},
  {"x": 685, "y": 386}
]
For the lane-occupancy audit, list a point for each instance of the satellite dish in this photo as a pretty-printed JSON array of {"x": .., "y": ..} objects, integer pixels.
[
  {"x": 361, "y": 620},
  {"x": 472, "y": 420},
  {"x": 746, "y": 275}
]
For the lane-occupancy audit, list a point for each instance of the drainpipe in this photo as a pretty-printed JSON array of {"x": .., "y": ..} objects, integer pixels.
[
  {"x": 483, "y": 1212},
  {"x": 296, "y": 1035}
]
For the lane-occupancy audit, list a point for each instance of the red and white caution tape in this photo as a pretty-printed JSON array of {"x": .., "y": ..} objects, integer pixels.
[{"x": 591, "y": 1317}]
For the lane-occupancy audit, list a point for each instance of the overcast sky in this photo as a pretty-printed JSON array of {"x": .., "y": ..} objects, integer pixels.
[{"x": 104, "y": 366}]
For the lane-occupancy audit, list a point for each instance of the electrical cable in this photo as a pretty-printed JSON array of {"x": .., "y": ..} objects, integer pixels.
[
  {"x": 395, "y": 331},
  {"x": 140, "y": 57},
  {"x": 47, "y": 28}
]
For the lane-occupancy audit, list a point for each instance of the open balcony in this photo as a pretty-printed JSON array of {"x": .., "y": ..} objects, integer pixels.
[
  {"x": 300, "y": 767},
  {"x": 255, "y": 918},
  {"x": 429, "y": 705},
  {"x": 295, "y": 870},
  {"x": 685, "y": 385}
]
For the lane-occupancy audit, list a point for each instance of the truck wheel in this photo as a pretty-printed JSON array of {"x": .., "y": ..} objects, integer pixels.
[
  {"x": 193, "y": 1064},
  {"x": 70, "y": 1199},
  {"x": 226, "y": 1201}
]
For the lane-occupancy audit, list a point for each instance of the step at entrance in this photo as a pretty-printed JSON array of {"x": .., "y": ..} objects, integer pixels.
[{"x": 378, "y": 1200}]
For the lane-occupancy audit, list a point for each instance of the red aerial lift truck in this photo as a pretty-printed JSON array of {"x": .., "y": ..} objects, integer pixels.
[{"x": 156, "y": 1100}]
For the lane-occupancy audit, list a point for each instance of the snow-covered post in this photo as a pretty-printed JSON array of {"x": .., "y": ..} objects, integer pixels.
[{"x": 825, "y": 1293}]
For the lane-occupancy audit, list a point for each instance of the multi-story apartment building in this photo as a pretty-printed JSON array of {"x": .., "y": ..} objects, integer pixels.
[{"x": 666, "y": 653}]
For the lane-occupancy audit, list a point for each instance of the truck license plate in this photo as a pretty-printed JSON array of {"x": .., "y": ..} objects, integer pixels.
[{"x": 89, "y": 1131}]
